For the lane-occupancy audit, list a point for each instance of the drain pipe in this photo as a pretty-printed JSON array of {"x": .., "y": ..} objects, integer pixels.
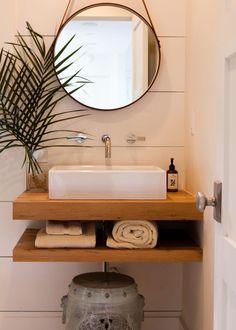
[{"x": 105, "y": 266}]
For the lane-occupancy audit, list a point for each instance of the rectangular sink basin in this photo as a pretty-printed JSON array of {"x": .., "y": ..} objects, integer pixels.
[{"x": 107, "y": 182}]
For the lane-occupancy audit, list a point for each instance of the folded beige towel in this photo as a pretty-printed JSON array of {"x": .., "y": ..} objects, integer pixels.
[
  {"x": 86, "y": 240},
  {"x": 54, "y": 227},
  {"x": 135, "y": 234}
]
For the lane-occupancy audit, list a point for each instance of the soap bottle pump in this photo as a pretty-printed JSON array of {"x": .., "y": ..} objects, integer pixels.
[{"x": 172, "y": 177}]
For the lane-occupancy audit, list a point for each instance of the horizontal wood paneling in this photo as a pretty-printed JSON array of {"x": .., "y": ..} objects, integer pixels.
[
  {"x": 161, "y": 284},
  {"x": 171, "y": 76},
  {"x": 10, "y": 231},
  {"x": 7, "y": 19},
  {"x": 161, "y": 323},
  {"x": 12, "y": 175},
  {"x": 40, "y": 286},
  {"x": 157, "y": 116},
  {"x": 30, "y": 320},
  {"x": 168, "y": 16}
]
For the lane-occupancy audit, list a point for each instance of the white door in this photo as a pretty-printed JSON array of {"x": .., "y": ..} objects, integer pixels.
[{"x": 225, "y": 233}]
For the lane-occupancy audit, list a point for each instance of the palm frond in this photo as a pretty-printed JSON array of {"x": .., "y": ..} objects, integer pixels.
[{"x": 29, "y": 93}]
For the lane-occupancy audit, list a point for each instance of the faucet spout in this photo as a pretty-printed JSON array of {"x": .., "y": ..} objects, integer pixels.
[{"x": 107, "y": 140}]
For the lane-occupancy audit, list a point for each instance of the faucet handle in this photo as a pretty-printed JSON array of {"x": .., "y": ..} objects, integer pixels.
[
  {"x": 132, "y": 138},
  {"x": 105, "y": 138},
  {"x": 80, "y": 138}
]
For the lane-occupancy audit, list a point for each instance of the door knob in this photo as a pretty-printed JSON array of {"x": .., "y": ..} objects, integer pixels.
[{"x": 202, "y": 201}]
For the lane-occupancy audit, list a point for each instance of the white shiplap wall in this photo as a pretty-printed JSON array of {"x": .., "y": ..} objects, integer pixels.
[{"x": 30, "y": 292}]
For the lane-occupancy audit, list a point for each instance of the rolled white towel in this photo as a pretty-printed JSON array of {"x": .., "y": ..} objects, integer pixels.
[
  {"x": 86, "y": 240},
  {"x": 133, "y": 234},
  {"x": 55, "y": 227}
]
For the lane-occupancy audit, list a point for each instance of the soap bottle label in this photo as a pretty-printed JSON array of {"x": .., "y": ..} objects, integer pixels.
[{"x": 172, "y": 182}]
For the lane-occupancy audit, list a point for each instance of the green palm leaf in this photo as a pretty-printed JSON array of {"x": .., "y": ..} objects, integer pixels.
[{"x": 29, "y": 93}]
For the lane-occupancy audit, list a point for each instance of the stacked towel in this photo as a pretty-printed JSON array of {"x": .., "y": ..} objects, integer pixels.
[
  {"x": 64, "y": 227},
  {"x": 133, "y": 234},
  {"x": 86, "y": 240}
]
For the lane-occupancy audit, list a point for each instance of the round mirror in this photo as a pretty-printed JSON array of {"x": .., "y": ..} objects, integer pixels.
[{"x": 111, "y": 52}]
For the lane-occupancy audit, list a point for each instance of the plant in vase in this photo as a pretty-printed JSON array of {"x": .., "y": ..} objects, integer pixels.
[{"x": 29, "y": 93}]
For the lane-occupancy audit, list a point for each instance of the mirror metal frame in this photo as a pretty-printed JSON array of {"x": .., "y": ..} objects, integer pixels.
[{"x": 143, "y": 19}]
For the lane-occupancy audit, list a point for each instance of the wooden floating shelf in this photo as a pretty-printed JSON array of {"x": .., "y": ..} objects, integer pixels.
[
  {"x": 37, "y": 206},
  {"x": 173, "y": 247}
]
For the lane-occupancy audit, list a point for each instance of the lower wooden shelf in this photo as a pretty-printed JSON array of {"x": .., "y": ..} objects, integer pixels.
[{"x": 173, "y": 246}]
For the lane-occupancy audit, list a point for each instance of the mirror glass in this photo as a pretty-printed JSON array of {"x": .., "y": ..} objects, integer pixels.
[{"x": 119, "y": 56}]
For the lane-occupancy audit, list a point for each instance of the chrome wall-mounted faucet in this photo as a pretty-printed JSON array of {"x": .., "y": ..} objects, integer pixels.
[
  {"x": 107, "y": 140},
  {"x": 79, "y": 138}
]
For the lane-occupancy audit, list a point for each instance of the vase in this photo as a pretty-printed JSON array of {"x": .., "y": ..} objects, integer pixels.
[{"x": 37, "y": 181}]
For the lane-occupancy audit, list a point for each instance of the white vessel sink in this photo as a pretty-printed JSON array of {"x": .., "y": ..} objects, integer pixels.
[{"x": 107, "y": 182}]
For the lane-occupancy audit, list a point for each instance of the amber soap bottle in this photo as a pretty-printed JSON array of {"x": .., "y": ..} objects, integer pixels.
[{"x": 172, "y": 177}]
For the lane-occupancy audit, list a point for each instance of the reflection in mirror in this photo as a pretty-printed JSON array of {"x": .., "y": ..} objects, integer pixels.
[{"x": 119, "y": 55}]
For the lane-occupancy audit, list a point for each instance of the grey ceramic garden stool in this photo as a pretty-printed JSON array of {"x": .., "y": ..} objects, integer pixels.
[{"x": 98, "y": 301}]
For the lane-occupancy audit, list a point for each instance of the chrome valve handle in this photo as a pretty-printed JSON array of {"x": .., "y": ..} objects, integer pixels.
[{"x": 132, "y": 138}]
